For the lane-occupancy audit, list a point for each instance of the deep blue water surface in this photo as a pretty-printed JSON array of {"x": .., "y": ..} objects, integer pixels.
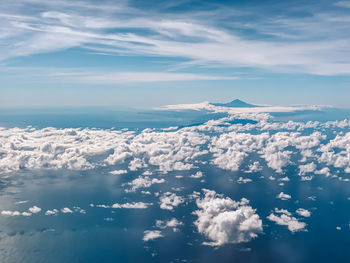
[{"x": 115, "y": 235}]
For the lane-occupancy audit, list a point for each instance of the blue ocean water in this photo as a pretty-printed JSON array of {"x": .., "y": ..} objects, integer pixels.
[
  {"x": 102, "y": 118},
  {"x": 115, "y": 235}
]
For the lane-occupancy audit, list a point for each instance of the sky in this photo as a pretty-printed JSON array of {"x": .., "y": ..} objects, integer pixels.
[{"x": 144, "y": 54}]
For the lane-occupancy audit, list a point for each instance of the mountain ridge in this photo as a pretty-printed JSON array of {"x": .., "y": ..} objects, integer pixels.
[{"x": 236, "y": 103}]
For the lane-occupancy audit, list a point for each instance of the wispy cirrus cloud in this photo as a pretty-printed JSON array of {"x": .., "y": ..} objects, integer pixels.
[
  {"x": 345, "y": 4},
  {"x": 313, "y": 44}
]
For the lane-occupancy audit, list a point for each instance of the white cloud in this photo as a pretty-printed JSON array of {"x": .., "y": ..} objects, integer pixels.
[
  {"x": 26, "y": 214},
  {"x": 288, "y": 43},
  {"x": 285, "y": 219},
  {"x": 303, "y": 212},
  {"x": 77, "y": 209},
  {"x": 66, "y": 210},
  {"x": 324, "y": 170},
  {"x": 134, "y": 205},
  {"x": 283, "y": 196},
  {"x": 254, "y": 167},
  {"x": 117, "y": 172},
  {"x": 138, "y": 77},
  {"x": 151, "y": 235},
  {"x": 345, "y": 4},
  {"x": 242, "y": 180},
  {"x": 170, "y": 200},
  {"x": 223, "y": 220},
  {"x": 230, "y": 149},
  {"x": 198, "y": 174},
  {"x": 172, "y": 223},
  {"x": 14, "y": 213},
  {"x": 143, "y": 182},
  {"x": 51, "y": 212},
  {"x": 285, "y": 179},
  {"x": 341, "y": 159},
  {"x": 10, "y": 213},
  {"x": 21, "y": 202},
  {"x": 307, "y": 168},
  {"x": 225, "y": 146},
  {"x": 34, "y": 209}
]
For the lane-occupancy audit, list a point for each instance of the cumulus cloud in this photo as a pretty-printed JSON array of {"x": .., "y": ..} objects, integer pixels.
[
  {"x": 223, "y": 220},
  {"x": 66, "y": 210},
  {"x": 77, "y": 209},
  {"x": 285, "y": 179},
  {"x": 325, "y": 171},
  {"x": 170, "y": 200},
  {"x": 230, "y": 149},
  {"x": 134, "y": 205},
  {"x": 285, "y": 219},
  {"x": 34, "y": 209},
  {"x": 143, "y": 182},
  {"x": 51, "y": 212},
  {"x": 151, "y": 235},
  {"x": 283, "y": 196},
  {"x": 14, "y": 213},
  {"x": 303, "y": 212},
  {"x": 198, "y": 174},
  {"x": 307, "y": 168},
  {"x": 117, "y": 172},
  {"x": 336, "y": 151},
  {"x": 254, "y": 167},
  {"x": 242, "y": 180},
  {"x": 224, "y": 145},
  {"x": 172, "y": 223}
]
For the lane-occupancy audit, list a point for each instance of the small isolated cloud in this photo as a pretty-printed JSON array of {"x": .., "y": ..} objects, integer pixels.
[
  {"x": 172, "y": 223},
  {"x": 117, "y": 172},
  {"x": 285, "y": 179},
  {"x": 66, "y": 210},
  {"x": 198, "y": 174},
  {"x": 242, "y": 180},
  {"x": 21, "y": 202},
  {"x": 134, "y": 205},
  {"x": 283, "y": 196},
  {"x": 143, "y": 182},
  {"x": 151, "y": 235},
  {"x": 303, "y": 212},
  {"x": 223, "y": 220},
  {"x": 34, "y": 209},
  {"x": 286, "y": 219},
  {"x": 170, "y": 200},
  {"x": 26, "y": 214},
  {"x": 77, "y": 209},
  {"x": 254, "y": 167},
  {"x": 51, "y": 212}
]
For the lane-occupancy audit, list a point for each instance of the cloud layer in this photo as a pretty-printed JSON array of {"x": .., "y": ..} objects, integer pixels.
[{"x": 223, "y": 220}]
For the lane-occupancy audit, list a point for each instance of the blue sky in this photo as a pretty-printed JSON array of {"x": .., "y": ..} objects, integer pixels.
[{"x": 150, "y": 53}]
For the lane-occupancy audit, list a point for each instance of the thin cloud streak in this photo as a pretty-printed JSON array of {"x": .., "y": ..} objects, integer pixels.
[{"x": 136, "y": 77}]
